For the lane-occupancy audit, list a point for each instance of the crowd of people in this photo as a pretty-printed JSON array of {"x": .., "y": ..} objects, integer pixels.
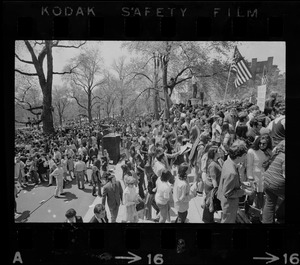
[{"x": 235, "y": 151}]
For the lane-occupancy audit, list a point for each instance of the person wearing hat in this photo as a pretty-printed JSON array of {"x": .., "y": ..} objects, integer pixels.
[
  {"x": 72, "y": 217},
  {"x": 100, "y": 215},
  {"x": 58, "y": 173},
  {"x": 131, "y": 199},
  {"x": 113, "y": 193},
  {"x": 230, "y": 190}
]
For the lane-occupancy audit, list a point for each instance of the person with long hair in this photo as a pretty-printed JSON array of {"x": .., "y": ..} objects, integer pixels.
[
  {"x": 182, "y": 194},
  {"x": 162, "y": 195},
  {"x": 213, "y": 175},
  {"x": 131, "y": 199},
  {"x": 257, "y": 155}
]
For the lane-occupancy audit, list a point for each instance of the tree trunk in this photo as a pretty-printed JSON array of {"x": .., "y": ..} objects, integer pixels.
[
  {"x": 166, "y": 95},
  {"x": 60, "y": 119},
  {"x": 121, "y": 106},
  {"x": 47, "y": 93},
  {"x": 155, "y": 93},
  {"x": 89, "y": 107},
  {"x": 47, "y": 116}
]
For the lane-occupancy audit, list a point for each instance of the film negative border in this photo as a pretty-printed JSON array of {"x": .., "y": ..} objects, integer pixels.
[
  {"x": 124, "y": 244},
  {"x": 133, "y": 20},
  {"x": 207, "y": 245}
]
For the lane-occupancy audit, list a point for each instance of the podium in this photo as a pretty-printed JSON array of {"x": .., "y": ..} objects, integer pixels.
[{"x": 111, "y": 142}]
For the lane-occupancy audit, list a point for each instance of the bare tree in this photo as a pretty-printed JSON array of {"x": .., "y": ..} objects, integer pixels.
[
  {"x": 85, "y": 78},
  {"x": 45, "y": 77},
  {"x": 61, "y": 101}
]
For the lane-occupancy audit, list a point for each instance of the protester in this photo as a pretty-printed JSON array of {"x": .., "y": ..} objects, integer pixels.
[
  {"x": 79, "y": 172},
  {"x": 191, "y": 133},
  {"x": 162, "y": 195},
  {"x": 96, "y": 181},
  {"x": 131, "y": 199},
  {"x": 151, "y": 187},
  {"x": 182, "y": 194},
  {"x": 256, "y": 157},
  {"x": 113, "y": 193},
  {"x": 213, "y": 174},
  {"x": 100, "y": 215},
  {"x": 274, "y": 186},
  {"x": 58, "y": 173},
  {"x": 229, "y": 189},
  {"x": 72, "y": 217}
]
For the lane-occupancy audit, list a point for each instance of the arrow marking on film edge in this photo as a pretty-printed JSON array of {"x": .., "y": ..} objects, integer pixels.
[
  {"x": 270, "y": 259},
  {"x": 134, "y": 257}
]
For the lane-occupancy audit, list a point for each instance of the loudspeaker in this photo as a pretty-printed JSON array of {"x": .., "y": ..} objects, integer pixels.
[{"x": 111, "y": 142}]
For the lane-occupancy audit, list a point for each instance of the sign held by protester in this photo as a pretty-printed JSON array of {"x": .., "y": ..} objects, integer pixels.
[{"x": 261, "y": 97}]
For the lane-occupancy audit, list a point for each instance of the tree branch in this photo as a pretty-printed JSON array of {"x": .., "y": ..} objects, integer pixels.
[
  {"x": 94, "y": 97},
  {"x": 94, "y": 104},
  {"x": 81, "y": 85},
  {"x": 77, "y": 101},
  {"x": 69, "y": 46},
  {"x": 134, "y": 100},
  {"x": 181, "y": 72},
  {"x": 23, "y": 61},
  {"x": 24, "y": 73},
  {"x": 142, "y": 75}
]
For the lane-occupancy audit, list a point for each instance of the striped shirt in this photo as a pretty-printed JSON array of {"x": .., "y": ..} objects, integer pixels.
[{"x": 275, "y": 175}]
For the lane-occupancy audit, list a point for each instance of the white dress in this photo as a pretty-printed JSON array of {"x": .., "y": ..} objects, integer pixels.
[
  {"x": 130, "y": 197},
  {"x": 255, "y": 159}
]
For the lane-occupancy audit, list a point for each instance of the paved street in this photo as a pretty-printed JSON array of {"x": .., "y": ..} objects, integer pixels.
[{"x": 37, "y": 204}]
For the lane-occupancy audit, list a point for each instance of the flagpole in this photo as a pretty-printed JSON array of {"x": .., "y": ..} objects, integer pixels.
[
  {"x": 229, "y": 74},
  {"x": 227, "y": 82}
]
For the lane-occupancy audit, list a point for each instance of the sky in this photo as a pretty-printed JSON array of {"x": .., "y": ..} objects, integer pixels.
[{"x": 111, "y": 50}]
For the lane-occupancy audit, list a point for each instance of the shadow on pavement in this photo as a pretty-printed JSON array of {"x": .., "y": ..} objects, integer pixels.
[
  {"x": 29, "y": 187},
  {"x": 23, "y": 217},
  {"x": 87, "y": 190},
  {"x": 69, "y": 196}
]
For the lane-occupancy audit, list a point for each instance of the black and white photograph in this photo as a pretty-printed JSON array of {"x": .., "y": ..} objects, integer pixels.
[{"x": 149, "y": 132}]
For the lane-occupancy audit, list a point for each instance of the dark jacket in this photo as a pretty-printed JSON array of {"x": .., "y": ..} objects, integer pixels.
[{"x": 95, "y": 220}]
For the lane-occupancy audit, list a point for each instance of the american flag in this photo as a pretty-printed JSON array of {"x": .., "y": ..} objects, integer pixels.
[
  {"x": 264, "y": 79},
  {"x": 239, "y": 66}
]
